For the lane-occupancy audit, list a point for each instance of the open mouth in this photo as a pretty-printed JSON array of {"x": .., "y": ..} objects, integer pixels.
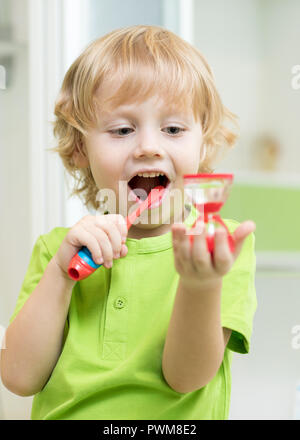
[{"x": 141, "y": 186}]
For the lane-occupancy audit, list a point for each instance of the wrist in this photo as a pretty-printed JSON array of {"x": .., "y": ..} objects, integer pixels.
[
  {"x": 60, "y": 274},
  {"x": 206, "y": 286}
]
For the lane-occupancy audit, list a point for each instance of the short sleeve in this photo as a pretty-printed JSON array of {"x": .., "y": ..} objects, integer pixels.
[
  {"x": 239, "y": 295},
  {"x": 39, "y": 260}
]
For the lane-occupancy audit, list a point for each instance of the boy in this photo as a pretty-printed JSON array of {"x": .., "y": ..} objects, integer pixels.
[{"x": 148, "y": 336}]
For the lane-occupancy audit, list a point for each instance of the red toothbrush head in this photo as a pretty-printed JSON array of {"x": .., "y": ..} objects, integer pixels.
[{"x": 154, "y": 196}]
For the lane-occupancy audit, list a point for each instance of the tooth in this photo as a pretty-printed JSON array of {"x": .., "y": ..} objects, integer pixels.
[{"x": 150, "y": 174}]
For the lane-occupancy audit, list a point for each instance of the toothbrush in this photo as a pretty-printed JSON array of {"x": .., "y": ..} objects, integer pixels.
[{"x": 82, "y": 264}]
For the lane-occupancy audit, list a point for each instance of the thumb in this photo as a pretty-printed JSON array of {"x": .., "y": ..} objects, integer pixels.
[{"x": 240, "y": 234}]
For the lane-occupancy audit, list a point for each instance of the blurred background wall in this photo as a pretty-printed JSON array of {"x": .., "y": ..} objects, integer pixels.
[{"x": 252, "y": 47}]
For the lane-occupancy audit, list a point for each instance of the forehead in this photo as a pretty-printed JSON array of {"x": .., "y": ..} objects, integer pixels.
[
  {"x": 113, "y": 98},
  {"x": 155, "y": 105}
]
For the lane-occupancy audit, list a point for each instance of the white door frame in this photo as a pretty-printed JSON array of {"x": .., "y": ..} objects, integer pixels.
[
  {"x": 45, "y": 71},
  {"x": 186, "y": 20},
  {"x": 52, "y": 48}
]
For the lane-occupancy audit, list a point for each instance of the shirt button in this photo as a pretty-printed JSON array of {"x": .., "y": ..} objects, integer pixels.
[{"x": 120, "y": 302}]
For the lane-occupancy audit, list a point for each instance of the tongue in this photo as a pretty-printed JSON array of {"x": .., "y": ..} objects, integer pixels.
[{"x": 145, "y": 183}]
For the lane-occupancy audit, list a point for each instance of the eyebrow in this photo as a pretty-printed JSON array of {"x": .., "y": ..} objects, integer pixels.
[{"x": 107, "y": 116}]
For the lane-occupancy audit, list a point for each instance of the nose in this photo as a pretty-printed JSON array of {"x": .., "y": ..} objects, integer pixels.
[{"x": 148, "y": 146}]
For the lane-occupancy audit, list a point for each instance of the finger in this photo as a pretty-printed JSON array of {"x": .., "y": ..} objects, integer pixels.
[
  {"x": 185, "y": 248},
  {"x": 103, "y": 242},
  {"x": 113, "y": 233},
  {"x": 181, "y": 244},
  {"x": 124, "y": 250},
  {"x": 200, "y": 254},
  {"x": 177, "y": 239},
  {"x": 89, "y": 240},
  {"x": 121, "y": 224},
  {"x": 222, "y": 256},
  {"x": 240, "y": 234}
]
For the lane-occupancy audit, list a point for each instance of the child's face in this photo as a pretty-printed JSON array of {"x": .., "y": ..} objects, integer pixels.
[{"x": 142, "y": 136}]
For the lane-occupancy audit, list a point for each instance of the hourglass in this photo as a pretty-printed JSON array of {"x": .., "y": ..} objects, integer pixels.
[{"x": 208, "y": 193}]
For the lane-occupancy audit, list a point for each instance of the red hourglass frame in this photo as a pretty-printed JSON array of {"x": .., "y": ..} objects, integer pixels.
[{"x": 208, "y": 193}]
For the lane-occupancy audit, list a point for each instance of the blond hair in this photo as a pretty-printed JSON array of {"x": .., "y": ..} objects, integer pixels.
[{"x": 145, "y": 60}]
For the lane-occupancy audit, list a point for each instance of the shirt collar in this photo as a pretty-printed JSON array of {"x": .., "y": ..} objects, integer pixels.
[{"x": 160, "y": 242}]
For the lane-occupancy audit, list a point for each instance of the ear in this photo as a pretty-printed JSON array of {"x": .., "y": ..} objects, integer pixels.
[{"x": 80, "y": 157}]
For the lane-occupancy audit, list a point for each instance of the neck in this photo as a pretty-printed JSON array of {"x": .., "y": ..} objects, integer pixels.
[{"x": 140, "y": 230}]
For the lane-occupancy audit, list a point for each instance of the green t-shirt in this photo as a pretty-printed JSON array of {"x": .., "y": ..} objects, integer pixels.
[{"x": 110, "y": 367}]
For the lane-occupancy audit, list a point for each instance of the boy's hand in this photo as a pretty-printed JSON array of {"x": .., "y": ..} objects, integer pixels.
[
  {"x": 103, "y": 235},
  {"x": 195, "y": 265}
]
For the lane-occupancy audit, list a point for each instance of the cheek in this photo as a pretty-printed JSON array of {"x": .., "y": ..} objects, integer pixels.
[
  {"x": 189, "y": 161},
  {"x": 195, "y": 156},
  {"x": 106, "y": 169}
]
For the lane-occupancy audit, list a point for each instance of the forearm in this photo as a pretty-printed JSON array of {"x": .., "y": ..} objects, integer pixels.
[
  {"x": 194, "y": 345},
  {"x": 34, "y": 338}
]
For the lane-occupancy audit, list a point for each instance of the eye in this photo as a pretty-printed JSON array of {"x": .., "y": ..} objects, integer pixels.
[
  {"x": 174, "y": 130},
  {"x": 123, "y": 131}
]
